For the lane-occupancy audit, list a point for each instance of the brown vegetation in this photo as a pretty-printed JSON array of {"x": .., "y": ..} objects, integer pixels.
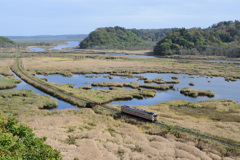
[
  {"x": 118, "y": 64},
  {"x": 212, "y": 117},
  {"x": 132, "y": 85},
  {"x": 195, "y": 93},
  {"x": 88, "y": 135}
]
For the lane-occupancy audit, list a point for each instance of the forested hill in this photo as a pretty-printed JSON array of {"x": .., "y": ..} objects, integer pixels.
[
  {"x": 222, "y": 39},
  {"x": 121, "y": 38},
  {"x": 5, "y": 42},
  {"x": 152, "y": 35}
]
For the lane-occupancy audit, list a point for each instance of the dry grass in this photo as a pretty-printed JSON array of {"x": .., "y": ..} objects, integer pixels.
[
  {"x": 110, "y": 64},
  {"x": 136, "y": 52},
  {"x": 5, "y": 64},
  {"x": 216, "y": 117},
  {"x": 96, "y": 136}
]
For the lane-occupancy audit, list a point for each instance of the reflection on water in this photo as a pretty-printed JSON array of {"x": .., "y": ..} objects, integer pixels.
[{"x": 218, "y": 85}]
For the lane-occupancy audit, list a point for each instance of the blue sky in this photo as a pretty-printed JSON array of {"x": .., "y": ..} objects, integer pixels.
[{"x": 56, "y": 17}]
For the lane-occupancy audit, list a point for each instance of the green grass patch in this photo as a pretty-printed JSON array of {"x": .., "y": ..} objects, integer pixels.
[{"x": 8, "y": 82}]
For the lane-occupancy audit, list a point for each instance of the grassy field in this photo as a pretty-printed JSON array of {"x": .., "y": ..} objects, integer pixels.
[
  {"x": 5, "y": 64},
  {"x": 24, "y": 102},
  {"x": 216, "y": 117},
  {"x": 7, "y": 83},
  {"x": 117, "y": 64},
  {"x": 80, "y": 133}
]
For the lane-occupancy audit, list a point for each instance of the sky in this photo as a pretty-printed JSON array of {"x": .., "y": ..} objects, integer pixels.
[{"x": 58, "y": 17}]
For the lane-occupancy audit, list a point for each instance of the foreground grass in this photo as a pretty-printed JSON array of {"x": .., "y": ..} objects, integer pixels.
[{"x": 80, "y": 133}]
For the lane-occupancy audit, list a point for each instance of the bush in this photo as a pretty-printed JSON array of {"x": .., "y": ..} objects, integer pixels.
[{"x": 19, "y": 142}]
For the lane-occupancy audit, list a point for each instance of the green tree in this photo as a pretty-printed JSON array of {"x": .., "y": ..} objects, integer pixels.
[{"x": 19, "y": 142}]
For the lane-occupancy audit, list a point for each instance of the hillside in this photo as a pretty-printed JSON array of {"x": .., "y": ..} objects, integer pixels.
[
  {"x": 121, "y": 38},
  {"x": 5, "y": 42},
  {"x": 222, "y": 39},
  {"x": 151, "y": 35}
]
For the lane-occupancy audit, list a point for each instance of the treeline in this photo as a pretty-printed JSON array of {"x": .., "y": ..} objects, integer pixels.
[
  {"x": 35, "y": 43},
  {"x": 6, "y": 42},
  {"x": 152, "y": 35},
  {"x": 49, "y": 37},
  {"x": 222, "y": 39},
  {"x": 121, "y": 38}
]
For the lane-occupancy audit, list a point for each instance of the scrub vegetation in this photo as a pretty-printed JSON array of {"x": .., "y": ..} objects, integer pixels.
[{"x": 19, "y": 142}]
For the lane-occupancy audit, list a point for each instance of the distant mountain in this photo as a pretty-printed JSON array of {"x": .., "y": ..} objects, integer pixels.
[
  {"x": 5, "y": 42},
  {"x": 50, "y": 37},
  {"x": 121, "y": 38},
  {"x": 222, "y": 39}
]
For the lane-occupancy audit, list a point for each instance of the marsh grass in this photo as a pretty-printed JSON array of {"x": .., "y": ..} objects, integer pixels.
[
  {"x": 8, "y": 82},
  {"x": 102, "y": 64},
  {"x": 16, "y": 102},
  {"x": 227, "y": 111},
  {"x": 133, "y": 85},
  {"x": 160, "y": 81},
  {"x": 103, "y": 96},
  {"x": 195, "y": 93}
]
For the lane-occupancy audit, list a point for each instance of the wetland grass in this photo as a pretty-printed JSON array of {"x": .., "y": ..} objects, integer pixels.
[
  {"x": 133, "y": 85},
  {"x": 125, "y": 66},
  {"x": 195, "y": 93},
  {"x": 17, "y": 102},
  {"x": 8, "y": 82}
]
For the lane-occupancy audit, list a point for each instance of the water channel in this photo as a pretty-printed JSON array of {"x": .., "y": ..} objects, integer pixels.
[
  {"x": 218, "y": 85},
  {"x": 24, "y": 85}
]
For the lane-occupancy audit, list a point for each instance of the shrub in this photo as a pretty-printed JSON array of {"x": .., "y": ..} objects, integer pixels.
[{"x": 19, "y": 142}]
